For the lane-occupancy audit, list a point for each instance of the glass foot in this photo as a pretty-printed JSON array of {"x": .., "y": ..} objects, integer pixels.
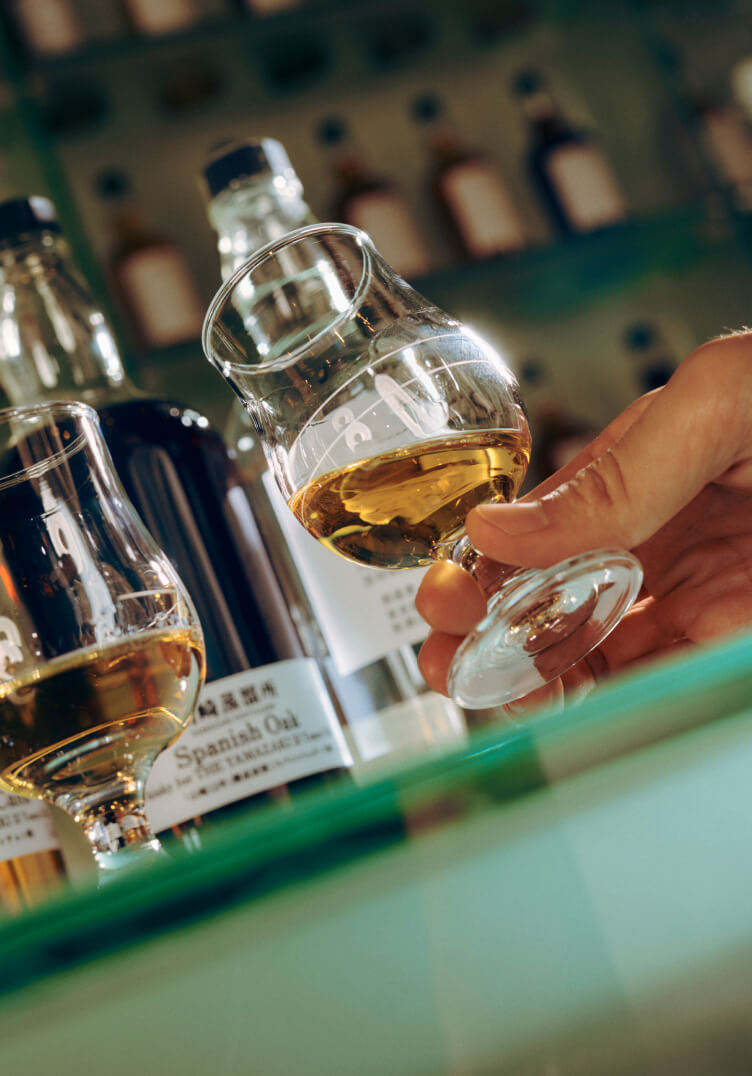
[{"x": 541, "y": 623}]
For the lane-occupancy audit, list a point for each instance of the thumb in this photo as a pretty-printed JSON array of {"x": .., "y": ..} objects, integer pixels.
[{"x": 692, "y": 431}]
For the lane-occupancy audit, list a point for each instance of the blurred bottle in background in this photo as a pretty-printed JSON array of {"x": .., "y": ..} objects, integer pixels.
[
  {"x": 266, "y": 723},
  {"x": 359, "y": 623},
  {"x": 741, "y": 85},
  {"x": 373, "y": 202},
  {"x": 651, "y": 356},
  {"x": 468, "y": 188},
  {"x": 557, "y": 435},
  {"x": 46, "y": 27},
  {"x": 269, "y": 7},
  {"x": 31, "y": 866},
  {"x": 570, "y": 171},
  {"x": 161, "y": 16},
  {"x": 725, "y": 136},
  {"x": 150, "y": 275}
]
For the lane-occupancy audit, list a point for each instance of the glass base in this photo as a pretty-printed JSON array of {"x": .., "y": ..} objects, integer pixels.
[{"x": 541, "y": 623}]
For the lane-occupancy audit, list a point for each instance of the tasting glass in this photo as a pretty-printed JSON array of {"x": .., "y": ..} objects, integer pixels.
[
  {"x": 101, "y": 652},
  {"x": 385, "y": 420}
]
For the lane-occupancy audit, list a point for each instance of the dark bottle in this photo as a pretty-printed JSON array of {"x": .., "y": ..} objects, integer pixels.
[
  {"x": 373, "y": 202},
  {"x": 571, "y": 173},
  {"x": 558, "y": 436},
  {"x": 651, "y": 355},
  {"x": 149, "y": 273},
  {"x": 265, "y": 720},
  {"x": 470, "y": 191}
]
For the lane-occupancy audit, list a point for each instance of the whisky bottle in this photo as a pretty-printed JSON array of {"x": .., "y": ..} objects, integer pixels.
[
  {"x": 572, "y": 175},
  {"x": 373, "y": 202},
  {"x": 725, "y": 136},
  {"x": 46, "y": 27},
  {"x": 360, "y": 624},
  {"x": 150, "y": 275},
  {"x": 31, "y": 866},
  {"x": 266, "y": 724},
  {"x": 153, "y": 17},
  {"x": 650, "y": 354},
  {"x": 470, "y": 191}
]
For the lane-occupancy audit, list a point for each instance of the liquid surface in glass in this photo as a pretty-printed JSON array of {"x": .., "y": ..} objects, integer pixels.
[
  {"x": 399, "y": 509},
  {"x": 71, "y": 725}
]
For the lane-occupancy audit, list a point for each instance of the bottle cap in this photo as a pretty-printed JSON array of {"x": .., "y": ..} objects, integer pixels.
[
  {"x": 639, "y": 336},
  {"x": 331, "y": 131},
  {"x": 231, "y": 161},
  {"x": 22, "y": 216},
  {"x": 426, "y": 107},
  {"x": 527, "y": 82}
]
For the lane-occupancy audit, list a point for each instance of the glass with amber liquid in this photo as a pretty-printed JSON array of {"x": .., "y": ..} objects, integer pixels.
[
  {"x": 103, "y": 654},
  {"x": 385, "y": 420}
]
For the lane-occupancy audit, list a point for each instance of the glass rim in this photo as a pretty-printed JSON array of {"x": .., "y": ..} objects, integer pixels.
[
  {"x": 251, "y": 263},
  {"x": 49, "y": 408}
]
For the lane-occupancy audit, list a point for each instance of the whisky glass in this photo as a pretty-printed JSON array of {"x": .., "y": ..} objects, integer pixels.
[
  {"x": 101, "y": 652},
  {"x": 385, "y": 420}
]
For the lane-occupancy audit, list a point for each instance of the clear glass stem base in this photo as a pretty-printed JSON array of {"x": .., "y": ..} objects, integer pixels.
[
  {"x": 540, "y": 623},
  {"x": 117, "y": 828}
]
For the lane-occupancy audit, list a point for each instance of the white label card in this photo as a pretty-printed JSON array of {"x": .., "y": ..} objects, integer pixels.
[
  {"x": 25, "y": 827},
  {"x": 364, "y": 614},
  {"x": 163, "y": 296},
  {"x": 483, "y": 209},
  {"x": 251, "y": 732},
  {"x": 389, "y": 223},
  {"x": 587, "y": 186}
]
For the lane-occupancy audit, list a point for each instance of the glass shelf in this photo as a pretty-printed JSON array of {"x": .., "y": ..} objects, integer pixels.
[{"x": 274, "y": 850}]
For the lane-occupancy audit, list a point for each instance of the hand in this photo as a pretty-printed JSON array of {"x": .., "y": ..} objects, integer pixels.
[{"x": 671, "y": 480}]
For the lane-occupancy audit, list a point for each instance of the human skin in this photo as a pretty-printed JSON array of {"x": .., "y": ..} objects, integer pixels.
[{"x": 669, "y": 479}]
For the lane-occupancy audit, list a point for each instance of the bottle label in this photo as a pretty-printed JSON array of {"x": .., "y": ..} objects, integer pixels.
[
  {"x": 586, "y": 186},
  {"x": 25, "y": 828},
  {"x": 387, "y": 220},
  {"x": 161, "y": 16},
  {"x": 363, "y": 614},
  {"x": 162, "y": 296},
  {"x": 729, "y": 144},
  {"x": 483, "y": 210},
  {"x": 251, "y": 732}
]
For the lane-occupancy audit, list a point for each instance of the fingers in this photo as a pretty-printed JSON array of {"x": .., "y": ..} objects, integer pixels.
[
  {"x": 685, "y": 436},
  {"x": 450, "y": 599},
  {"x": 435, "y": 657}
]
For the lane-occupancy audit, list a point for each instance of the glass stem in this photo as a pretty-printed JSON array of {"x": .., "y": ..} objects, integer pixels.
[
  {"x": 114, "y": 820},
  {"x": 491, "y": 575}
]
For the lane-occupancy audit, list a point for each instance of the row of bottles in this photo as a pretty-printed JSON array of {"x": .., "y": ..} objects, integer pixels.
[
  {"x": 154, "y": 285},
  {"x": 55, "y": 27},
  {"x": 474, "y": 205}
]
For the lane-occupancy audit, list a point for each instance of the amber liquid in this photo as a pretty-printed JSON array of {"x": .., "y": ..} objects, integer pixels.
[
  {"x": 407, "y": 508},
  {"x": 81, "y": 720}
]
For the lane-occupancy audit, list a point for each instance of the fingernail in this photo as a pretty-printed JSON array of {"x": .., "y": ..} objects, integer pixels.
[{"x": 514, "y": 518}]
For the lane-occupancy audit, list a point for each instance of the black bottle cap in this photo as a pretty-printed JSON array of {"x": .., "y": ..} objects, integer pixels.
[
  {"x": 426, "y": 107},
  {"x": 331, "y": 130},
  {"x": 231, "y": 161},
  {"x": 532, "y": 372},
  {"x": 639, "y": 336},
  {"x": 112, "y": 183},
  {"x": 22, "y": 216},
  {"x": 527, "y": 82}
]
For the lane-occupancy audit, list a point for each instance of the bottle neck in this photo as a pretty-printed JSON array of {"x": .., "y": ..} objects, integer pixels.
[
  {"x": 55, "y": 343},
  {"x": 253, "y": 213}
]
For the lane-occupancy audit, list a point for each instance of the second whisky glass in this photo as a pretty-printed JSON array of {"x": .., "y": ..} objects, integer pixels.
[{"x": 384, "y": 421}]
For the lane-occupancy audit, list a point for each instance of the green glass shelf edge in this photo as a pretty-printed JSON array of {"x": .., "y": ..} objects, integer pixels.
[
  {"x": 557, "y": 278},
  {"x": 554, "y": 277},
  {"x": 261, "y": 853}
]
